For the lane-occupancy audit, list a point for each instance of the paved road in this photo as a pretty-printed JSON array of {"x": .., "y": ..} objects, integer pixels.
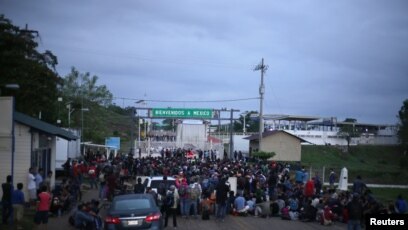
[{"x": 231, "y": 222}]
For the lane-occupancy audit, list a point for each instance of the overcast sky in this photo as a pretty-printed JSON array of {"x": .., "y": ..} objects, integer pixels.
[{"x": 325, "y": 58}]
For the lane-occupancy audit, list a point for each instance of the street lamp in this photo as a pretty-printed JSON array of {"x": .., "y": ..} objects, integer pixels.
[
  {"x": 244, "y": 114},
  {"x": 70, "y": 110},
  {"x": 82, "y": 122},
  {"x": 58, "y": 119}
]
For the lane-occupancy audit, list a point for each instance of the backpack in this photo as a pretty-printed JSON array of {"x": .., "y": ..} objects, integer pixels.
[
  {"x": 285, "y": 213},
  {"x": 162, "y": 189},
  {"x": 169, "y": 201},
  {"x": 293, "y": 205},
  {"x": 182, "y": 190},
  {"x": 194, "y": 192}
]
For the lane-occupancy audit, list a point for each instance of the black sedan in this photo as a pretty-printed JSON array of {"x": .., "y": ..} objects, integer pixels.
[{"x": 133, "y": 211}]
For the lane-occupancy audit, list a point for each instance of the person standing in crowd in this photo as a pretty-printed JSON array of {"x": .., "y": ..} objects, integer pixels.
[
  {"x": 300, "y": 175},
  {"x": 102, "y": 184},
  {"x": 67, "y": 167},
  {"x": 161, "y": 191},
  {"x": 401, "y": 205},
  {"x": 139, "y": 187},
  {"x": 149, "y": 190},
  {"x": 332, "y": 178},
  {"x": 18, "y": 202},
  {"x": 6, "y": 199},
  {"x": 195, "y": 195},
  {"x": 359, "y": 186},
  {"x": 182, "y": 189},
  {"x": 31, "y": 186},
  {"x": 111, "y": 183},
  {"x": 92, "y": 176},
  {"x": 47, "y": 181},
  {"x": 39, "y": 179},
  {"x": 221, "y": 197},
  {"x": 355, "y": 213},
  {"x": 171, "y": 208},
  {"x": 43, "y": 207}
]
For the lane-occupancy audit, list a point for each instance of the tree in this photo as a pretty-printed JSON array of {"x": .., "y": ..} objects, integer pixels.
[
  {"x": 403, "y": 125},
  {"x": 251, "y": 123},
  {"x": 33, "y": 71},
  {"x": 169, "y": 124},
  {"x": 348, "y": 131},
  {"x": 81, "y": 91}
]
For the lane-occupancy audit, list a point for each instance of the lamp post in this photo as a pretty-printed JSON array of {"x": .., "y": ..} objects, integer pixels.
[
  {"x": 144, "y": 104},
  {"x": 82, "y": 122},
  {"x": 70, "y": 111},
  {"x": 244, "y": 114},
  {"x": 58, "y": 119}
]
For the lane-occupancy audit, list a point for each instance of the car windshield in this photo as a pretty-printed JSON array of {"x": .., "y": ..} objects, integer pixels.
[
  {"x": 133, "y": 204},
  {"x": 156, "y": 183}
]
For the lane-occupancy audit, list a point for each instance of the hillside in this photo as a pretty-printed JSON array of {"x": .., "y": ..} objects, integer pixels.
[{"x": 375, "y": 164}]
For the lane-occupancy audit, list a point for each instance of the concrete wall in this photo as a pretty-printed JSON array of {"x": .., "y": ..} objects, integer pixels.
[
  {"x": 22, "y": 160},
  {"x": 286, "y": 147}
]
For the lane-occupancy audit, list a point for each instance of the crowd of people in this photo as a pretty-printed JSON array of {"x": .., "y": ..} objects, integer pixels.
[
  {"x": 263, "y": 189},
  {"x": 202, "y": 188}
]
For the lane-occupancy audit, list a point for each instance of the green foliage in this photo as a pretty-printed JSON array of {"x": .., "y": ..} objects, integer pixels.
[
  {"x": 252, "y": 125},
  {"x": 403, "y": 125},
  {"x": 263, "y": 155},
  {"x": 21, "y": 63},
  {"x": 382, "y": 164},
  {"x": 348, "y": 131}
]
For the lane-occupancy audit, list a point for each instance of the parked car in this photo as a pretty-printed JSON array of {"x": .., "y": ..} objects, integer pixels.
[
  {"x": 155, "y": 181},
  {"x": 133, "y": 211}
]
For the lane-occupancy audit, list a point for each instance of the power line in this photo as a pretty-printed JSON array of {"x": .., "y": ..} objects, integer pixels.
[{"x": 197, "y": 101}]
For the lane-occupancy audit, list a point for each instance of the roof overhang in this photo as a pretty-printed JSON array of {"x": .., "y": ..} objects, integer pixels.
[{"x": 43, "y": 126}]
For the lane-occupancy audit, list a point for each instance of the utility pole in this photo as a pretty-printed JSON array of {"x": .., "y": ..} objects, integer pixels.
[
  {"x": 231, "y": 149},
  {"x": 263, "y": 68}
]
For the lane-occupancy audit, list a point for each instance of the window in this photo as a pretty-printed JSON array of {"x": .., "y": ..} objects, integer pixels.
[{"x": 132, "y": 204}]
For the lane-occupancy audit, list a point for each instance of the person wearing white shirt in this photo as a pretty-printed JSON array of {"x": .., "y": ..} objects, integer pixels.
[{"x": 31, "y": 186}]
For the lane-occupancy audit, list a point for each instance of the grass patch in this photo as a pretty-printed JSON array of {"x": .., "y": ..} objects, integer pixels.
[
  {"x": 388, "y": 195},
  {"x": 375, "y": 164}
]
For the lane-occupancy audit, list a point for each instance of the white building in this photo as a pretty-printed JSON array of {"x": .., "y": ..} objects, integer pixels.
[{"x": 34, "y": 144}]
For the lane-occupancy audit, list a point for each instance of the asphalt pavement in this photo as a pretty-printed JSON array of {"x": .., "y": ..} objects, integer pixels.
[{"x": 230, "y": 222}]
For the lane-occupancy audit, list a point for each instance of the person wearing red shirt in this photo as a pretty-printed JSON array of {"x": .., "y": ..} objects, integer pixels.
[
  {"x": 43, "y": 207},
  {"x": 92, "y": 173},
  {"x": 309, "y": 190}
]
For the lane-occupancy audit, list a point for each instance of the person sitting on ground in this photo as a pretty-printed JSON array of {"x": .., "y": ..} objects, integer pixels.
[
  {"x": 308, "y": 212},
  {"x": 239, "y": 205},
  {"x": 263, "y": 209},
  {"x": 83, "y": 218}
]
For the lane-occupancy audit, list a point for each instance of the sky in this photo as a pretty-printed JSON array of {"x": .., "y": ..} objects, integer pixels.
[{"x": 344, "y": 59}]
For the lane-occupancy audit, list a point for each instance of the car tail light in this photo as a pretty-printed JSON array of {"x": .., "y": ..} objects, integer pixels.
[
  {"x": 153, "y": 217},
  {"x": 112, "y": 220}
]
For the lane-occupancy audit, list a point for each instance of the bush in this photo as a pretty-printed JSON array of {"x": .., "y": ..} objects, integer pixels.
[{"x": 263, "y": 155}]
